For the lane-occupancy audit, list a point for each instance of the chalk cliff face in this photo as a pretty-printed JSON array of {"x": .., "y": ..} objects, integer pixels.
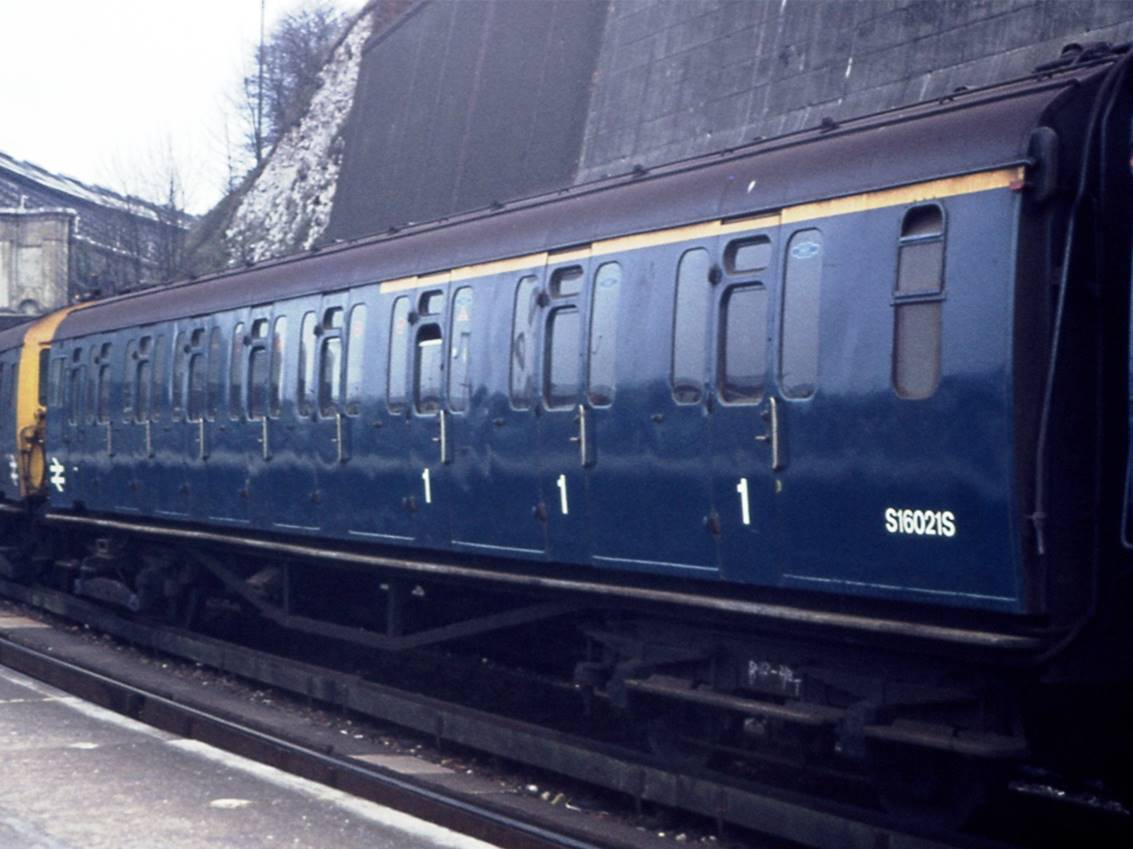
[{"x": 287, "y": 206}]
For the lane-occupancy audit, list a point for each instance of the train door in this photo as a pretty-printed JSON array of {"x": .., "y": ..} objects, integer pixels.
[
  {"x": 178, "y": 441},
  {"x": 66, "y": 461},
  {"x": 429, "y": 418},
  {"x": 158, "y": 473},
  {"x": 396, "y": 489},
  {"x": 189, "y": 406},
  {"x": 96, "y": 468},
  {"x": 291, "y": 426},
  {"x": 208, "y": 373},
  {"x": 366, "y": 480},
  {"x": 258, "y": 426},
  {"x": 226, "y": 460},
  {"x": 563, "y": 425},
  {"x": 133, "y": 440},
  {"x": 748, "y": 445},
  {"x": 82, "y": 458},
  {"x": 649, "y": 481},
  {"x": 494, "y": 430}
]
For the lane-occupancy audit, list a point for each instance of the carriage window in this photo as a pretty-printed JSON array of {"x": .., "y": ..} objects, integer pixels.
[
  {"x": 743, "y": 345},
  {"x": 128, "y": 380},
  {"x": 215, "y": 371},
  {"x": 103, "y": 400},
  {"x": 180, "y": 358},
  {"x": 260, "y": 328},
  {"x": 744, "y": 255},
  {"x": 236, "y": 372},
  {"x": 563, "y": 374},
  {"x": 566, "y": 282},
  {"x": 524, "y": 318},
  {"x": 306, "y": 391},
  {"x": 603, "y": 334},
  {"x": 56, "y": 379},
  {"x": 330, "y": 376},
  {"x": 396, "y": 395},
  {"x": 332, "y": 318},
  {"x": 918, "y": 303},
  {"x": 431, "y": 303},
  {"x": 258, "y": 382},
  {"x": 690, "y": 326},
  {"x": 355, "y": 359},
  {"x": 139, "y": 377},
  {"x": 159, "y": 377},
  {"x": 278, "y": 341},
  {"x": 91, "y": 384},
  {"x": 143, "y": 375},
  {"x": 78, "y": 375},
  {"x": 459, "y": 385},
  {"x": 428, "y": 366},
  {"x": 197, "y": 381},
  {"x": 802, "y": 279}
]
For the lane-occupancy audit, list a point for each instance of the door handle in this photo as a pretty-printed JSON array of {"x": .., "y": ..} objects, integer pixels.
[
  {"x": 773, "y": 434},
  {"x": 579, "y": 439},
  {"x": 338, "y": 436},
  {"x": 265, "y": 445},
  {"x": 442, "y": 438}
]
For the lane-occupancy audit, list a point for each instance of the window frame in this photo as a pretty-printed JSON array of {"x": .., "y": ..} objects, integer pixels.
[
  {"x": 902, "y": 301},
  {"x": 277, "y": 366},
  {"x": 788, "y": 387},
  {"x": 256, "y": 344},
  {"x": 675, "y": 388},
  {"x": 610, "y": 359},
  {"x": 397, "y": 356},
  {"x": 457, "y": 354},
  {"x": 722, "y": 387},
  {"x": 529, "y": 337},
  {"x": 354, "y": 357}
]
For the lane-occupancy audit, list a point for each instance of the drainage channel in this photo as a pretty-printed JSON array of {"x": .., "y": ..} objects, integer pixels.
[{"x": 767, "y": 811}]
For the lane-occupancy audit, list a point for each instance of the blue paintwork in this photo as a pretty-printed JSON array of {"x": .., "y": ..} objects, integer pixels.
[
  {"x": 662, "y": 472},
  {"x": 9, "y": 437}
]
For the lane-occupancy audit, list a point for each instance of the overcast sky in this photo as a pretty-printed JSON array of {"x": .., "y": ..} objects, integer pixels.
[{"x": 99, "y": 90}]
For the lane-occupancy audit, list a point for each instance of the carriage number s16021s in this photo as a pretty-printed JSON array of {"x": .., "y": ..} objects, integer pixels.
[{"x": 925, "y": 523}]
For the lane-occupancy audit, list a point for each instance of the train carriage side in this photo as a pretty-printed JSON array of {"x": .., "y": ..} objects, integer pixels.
[{"x": 758, "y": 370}]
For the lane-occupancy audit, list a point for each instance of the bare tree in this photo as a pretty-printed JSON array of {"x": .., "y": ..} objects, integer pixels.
[
  {"x": 286, "y": 72},
  {"x": 150, "y": 224}
]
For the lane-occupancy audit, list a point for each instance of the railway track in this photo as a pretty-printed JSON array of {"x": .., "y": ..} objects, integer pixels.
[{"x": 770, "y": 814}]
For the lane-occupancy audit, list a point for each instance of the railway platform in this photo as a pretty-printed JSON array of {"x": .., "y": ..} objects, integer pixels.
[{"x": 76, "y": 776}]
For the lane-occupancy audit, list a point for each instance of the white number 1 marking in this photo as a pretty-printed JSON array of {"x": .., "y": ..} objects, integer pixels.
[
  {"x": 563, "y": 495},
  {"x": 745, "y": 509},
  {"x": 428, "y": 486}
]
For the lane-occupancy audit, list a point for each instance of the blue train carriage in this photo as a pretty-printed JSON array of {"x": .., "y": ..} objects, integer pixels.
[
  {"x": 857, "y": 381},
  {"x": 708, "y": 350}
]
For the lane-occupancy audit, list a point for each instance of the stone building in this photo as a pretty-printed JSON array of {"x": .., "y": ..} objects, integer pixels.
[
  {"x": 61, "y": 240},
  {"x": 35, "y": 260}
]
